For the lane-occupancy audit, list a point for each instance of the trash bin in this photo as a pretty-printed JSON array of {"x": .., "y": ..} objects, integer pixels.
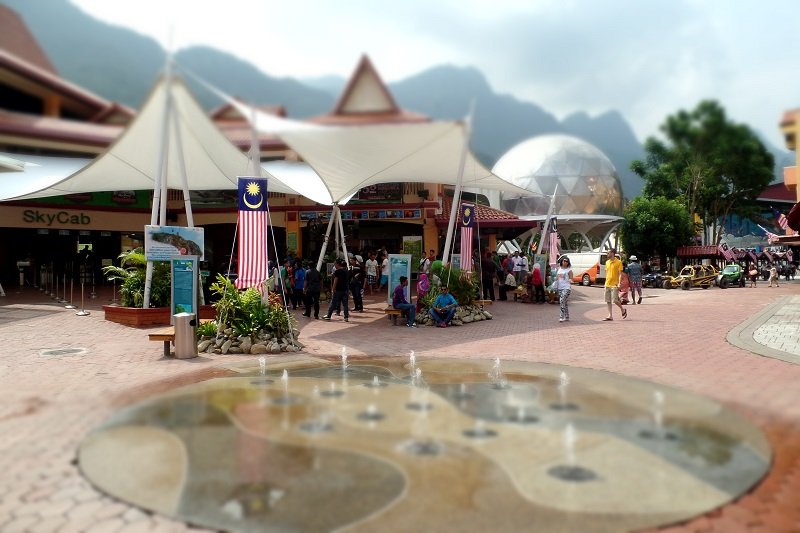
[{"x": 185, "y": 335}]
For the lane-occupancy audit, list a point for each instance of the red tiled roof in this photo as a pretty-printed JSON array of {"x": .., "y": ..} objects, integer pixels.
[
  {"x": 16, "y": 37},
  {"x": 56, "y": 129},
  {"x": 229, "y": 113},
  {"x": 484, "y": 216},
  {"x": 777, "y": 192},
  {"x": 352, "y": 119},
  {"x": 697, "y": 251},
  {"x": 790, "y": 117}
]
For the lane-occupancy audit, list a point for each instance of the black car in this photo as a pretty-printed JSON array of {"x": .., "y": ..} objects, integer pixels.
[{"x": 653, "y": 279}]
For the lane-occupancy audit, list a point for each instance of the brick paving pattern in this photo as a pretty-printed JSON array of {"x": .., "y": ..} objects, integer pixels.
[{"x": 738, "y": 346}]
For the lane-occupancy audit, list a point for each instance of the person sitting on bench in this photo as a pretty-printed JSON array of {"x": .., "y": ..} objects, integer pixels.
[
  {"x": 444, "y": 308},
  {"x": 399, "y": 301}
]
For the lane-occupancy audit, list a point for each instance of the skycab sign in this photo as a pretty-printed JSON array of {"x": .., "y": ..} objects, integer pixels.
[{"x": 57, "y": 218}]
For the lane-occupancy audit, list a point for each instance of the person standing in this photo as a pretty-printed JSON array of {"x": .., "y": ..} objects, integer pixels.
[
  {"x": 773, "y": 275},
  {"x": 752, "y": 273},
  {"x": 298, "y": 283},
  {"x": 524, "y": 267},
  {"x": 537, "y": 284},
  {"x": 488, "y": 273},
  {"x": 339, "y": 289},
  {"x": 399, "y": 301},
  {"x": 311, "y": 289},
  {"x": 563, "y": 286},
  {"x": 372, "y": 272},
  {"x": 426, "y": 262},
  {"x": 384, "y": 272},
  {"x": 357, "y": 285},
  {"x": 613, "y": 271},
  {"x": 635, "y": 280},
  {"x": 516, "y": 261}
]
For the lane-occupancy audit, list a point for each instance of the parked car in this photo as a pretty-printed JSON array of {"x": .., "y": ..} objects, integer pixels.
[
  {"x": 653, "y": 279},
  {"x": 692, "y": 276},
  {"x": 731, "y": 276}
]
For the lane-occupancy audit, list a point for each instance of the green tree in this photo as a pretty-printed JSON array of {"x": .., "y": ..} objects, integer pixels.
[
  {"x": 713, "y": 166},
  {"x": 655, "y": 227}
]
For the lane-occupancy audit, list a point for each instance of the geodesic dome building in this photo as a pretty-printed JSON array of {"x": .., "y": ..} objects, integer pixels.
[{"x": 587, "y": 180}]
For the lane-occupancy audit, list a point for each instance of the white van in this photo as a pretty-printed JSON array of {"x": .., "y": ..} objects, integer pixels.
[{"x": 587, "y": 267}]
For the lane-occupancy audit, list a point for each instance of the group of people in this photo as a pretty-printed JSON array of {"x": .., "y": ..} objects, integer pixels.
[
  {"x": 302, "y": 284},
  {"x": 441, "y": 311},
  {"x": 621, "y": 279}
]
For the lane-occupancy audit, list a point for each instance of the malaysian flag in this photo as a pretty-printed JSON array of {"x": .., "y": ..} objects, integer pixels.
[
  {"x": 553, "y": 244},
  {"x": 768, "y": 255},
  {"x": 753, "y": 256},
  {"x": 789, "y": 256},
  {"x": 252, "y": 232},
  {"x": 467, "y": 224},
  {"x": 726, "y": 252},
  {"x": 781, "y": 218},
  {"x": 771, "y": 237}
]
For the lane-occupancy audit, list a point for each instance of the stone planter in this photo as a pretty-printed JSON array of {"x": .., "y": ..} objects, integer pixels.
[{"x": 137, "y": 317}]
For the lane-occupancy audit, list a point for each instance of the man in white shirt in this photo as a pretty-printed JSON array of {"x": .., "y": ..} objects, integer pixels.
[
  {"x": 372, "y": 272},
  {"x": 516, "y": 260}
]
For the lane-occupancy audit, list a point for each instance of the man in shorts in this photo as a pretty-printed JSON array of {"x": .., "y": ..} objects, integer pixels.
[
  {"x": 613, "y": 271},
  {"x": 372, "y": 272}
]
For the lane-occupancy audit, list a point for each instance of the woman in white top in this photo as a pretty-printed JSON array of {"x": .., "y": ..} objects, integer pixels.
[
  {"x": 384, "y": 272},
  {"x": 563, "y": 282}
]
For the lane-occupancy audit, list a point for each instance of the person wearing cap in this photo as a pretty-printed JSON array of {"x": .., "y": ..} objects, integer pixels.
[
  {"x": 634, "y": 271},
  {"x": 613, "y": 271}
]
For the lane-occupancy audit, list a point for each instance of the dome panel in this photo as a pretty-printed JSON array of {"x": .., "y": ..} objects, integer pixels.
[{"x": 587, "y": 179}]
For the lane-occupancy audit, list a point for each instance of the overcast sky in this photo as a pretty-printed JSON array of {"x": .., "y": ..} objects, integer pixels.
[{"x": 645, "y": 58}]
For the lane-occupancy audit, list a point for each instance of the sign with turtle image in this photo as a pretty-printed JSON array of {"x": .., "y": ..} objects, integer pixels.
[{"x": 164, "y": 242}]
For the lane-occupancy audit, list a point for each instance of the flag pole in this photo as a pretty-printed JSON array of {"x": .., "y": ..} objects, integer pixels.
[
  {"x": 459, "y": 179},
  {"x": 159, "y": 208},
  {"x": 546, "y": 226},
  {"x": 327, "y": 237}
]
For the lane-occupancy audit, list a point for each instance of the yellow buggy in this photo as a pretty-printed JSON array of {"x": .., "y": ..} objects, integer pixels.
[{"x": 692, "y": 276}]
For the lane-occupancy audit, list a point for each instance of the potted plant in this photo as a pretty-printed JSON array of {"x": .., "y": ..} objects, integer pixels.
[{"x": 131, "y": 274}]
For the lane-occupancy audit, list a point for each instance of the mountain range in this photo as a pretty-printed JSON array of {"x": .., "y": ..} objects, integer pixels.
[{"x": 122, "y": 65}]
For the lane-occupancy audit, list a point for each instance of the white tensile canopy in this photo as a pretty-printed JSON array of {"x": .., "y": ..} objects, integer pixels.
[
  {"x": 340, "y": 160},
  {"x": 196, "y": 149}
]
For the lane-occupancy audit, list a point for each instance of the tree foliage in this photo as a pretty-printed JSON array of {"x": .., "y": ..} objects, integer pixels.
[
  {"x": 655, "y": 227},
  {"x": 711, "y": 165}
]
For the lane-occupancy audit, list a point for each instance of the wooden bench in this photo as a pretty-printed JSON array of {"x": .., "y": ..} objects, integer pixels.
[
  {"x": 392, "y": 314},
  {"x": 483, "y": 303},
  {"x": 165, "y": 335}
]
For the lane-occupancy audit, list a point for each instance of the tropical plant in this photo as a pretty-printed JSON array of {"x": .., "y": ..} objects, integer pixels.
[
  {"x": 462, "y": 285},
  {"x": 132, "y": 271},
  {"x": 207, "y": 328},
  {"x": 245, "y": 311}
]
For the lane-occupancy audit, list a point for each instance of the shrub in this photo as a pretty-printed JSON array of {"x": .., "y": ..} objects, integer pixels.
[
  {"x": 245, "y": 312},
  {"x": 207, "y": 329},
  {"x": 462, "y": 285},
  {"x": 132, "y": 273}
]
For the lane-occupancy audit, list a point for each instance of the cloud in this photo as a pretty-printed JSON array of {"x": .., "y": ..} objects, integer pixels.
[{"x": 646, "y": 59}]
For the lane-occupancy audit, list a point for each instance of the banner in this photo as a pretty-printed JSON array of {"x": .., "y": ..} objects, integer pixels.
[
  {"x": 399, "y": 265},
  {"x": 184, "y": 285},
  {"x": 253, "y": 222},
  {"x": 467, "y": 225},
  {"x": 412, "y": 245},
  {"x": 161, "y": 243}
]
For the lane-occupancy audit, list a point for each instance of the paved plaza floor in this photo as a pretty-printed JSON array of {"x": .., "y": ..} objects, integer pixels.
[{"x": 61, "y": 375}]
